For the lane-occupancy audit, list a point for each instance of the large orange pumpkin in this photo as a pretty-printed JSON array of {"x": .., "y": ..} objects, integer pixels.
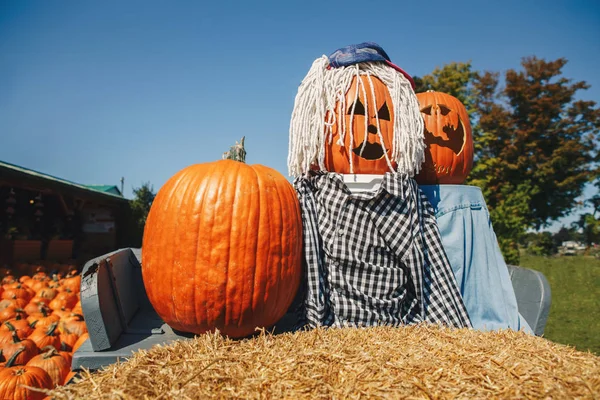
[
  {"x": 449, "y": 152},
  {"x": 222, "y": 248},
  {"x": 369, "y": 130}
]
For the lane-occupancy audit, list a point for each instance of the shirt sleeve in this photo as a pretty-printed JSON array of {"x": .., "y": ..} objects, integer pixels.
[
  {"x": 443, "y": 301},
  {"x": 313, "y": 309}
]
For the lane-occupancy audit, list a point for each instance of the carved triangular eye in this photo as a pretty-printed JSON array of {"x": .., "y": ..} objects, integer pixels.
[
  {"x": 444, "y": 110},
  {"x": 426, "y": 110},
  {"x": 384, "y": 112},
  {"x": 359, "y": 108}
]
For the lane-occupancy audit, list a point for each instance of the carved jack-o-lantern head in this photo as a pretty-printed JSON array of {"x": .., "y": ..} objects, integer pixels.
[
  {"x": 449, "y": 153},
  {"x": 362, "y": 118},
  {"x": 363, "y": 132}
]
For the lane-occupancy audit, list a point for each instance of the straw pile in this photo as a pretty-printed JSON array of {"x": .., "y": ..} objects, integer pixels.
[{"x": 381, "y": 362}]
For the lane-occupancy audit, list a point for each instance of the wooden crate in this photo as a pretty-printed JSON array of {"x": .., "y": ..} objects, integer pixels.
[
  {"x": 59, "y": 250},
  {"x": 20, "y": 250}
]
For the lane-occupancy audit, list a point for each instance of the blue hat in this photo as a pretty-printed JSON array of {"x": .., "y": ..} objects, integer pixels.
[{"x": 364, "y": 52}]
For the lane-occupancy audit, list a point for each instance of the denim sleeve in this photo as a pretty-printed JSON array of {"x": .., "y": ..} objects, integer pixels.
[
  {"x": 479, "y": 268},
  {"x": 472, "y": 249}
]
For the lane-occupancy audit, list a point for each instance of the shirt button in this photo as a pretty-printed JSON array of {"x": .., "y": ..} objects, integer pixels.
[{"x": 341, "y": 232}]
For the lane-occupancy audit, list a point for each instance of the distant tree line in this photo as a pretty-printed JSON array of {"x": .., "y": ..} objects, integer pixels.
[
  {"x": 139, "y": 207},
  {"x": 536, "y": 145}
]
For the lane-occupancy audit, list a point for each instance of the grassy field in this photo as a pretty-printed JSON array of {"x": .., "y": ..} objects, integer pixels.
[{"x": 575, "y": 311}]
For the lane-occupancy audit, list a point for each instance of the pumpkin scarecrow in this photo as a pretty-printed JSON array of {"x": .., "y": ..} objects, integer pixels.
[
  {"x": 462, "y": 215},
  {"x": 371, "y": 257}
]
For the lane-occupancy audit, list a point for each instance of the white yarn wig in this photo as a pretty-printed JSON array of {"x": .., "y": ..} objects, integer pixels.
[{"x": 318, "y": 94}]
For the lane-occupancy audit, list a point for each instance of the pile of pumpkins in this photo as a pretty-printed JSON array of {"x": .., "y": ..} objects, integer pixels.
[{"x": 42, "y": 325}]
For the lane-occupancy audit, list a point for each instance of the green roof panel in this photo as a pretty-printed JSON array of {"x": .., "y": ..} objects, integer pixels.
[{"x": 109, "y": 190}]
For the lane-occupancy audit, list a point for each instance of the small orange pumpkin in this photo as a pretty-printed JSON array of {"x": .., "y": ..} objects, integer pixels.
[
  {"x": 222, "y": 248},
  {"x": 72, "y": 283},
  {"x": 16, "y": 380},
  {"x": 26, "y": 349},
  {"x": 13, "y": 302},
  {"x": 12, "y": 312},
  {"x": 49, "y": 336},
  {"x": 80, "y": 341},
  {"x": 74, "y": 323},
  {"x": 68, "y": 340},
  {"x": 18, "y": 292},
  {"x": 20, "y": 326},
  {"x": 449, "y": 152},
  {"x": 53, "y": 363},
  {"x": 43, "y": 319}
]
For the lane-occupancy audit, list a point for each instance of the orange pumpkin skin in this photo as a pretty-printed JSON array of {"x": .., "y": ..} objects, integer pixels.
[
  {"x": 53, "y": 363},
  {"x": 43, "y": 337},
  {"x": 372, "y": 160},
  {"x": 222, "y": 248},
  {"x": 12, "y": 380},
  {"x": 80, "y": 341},
  {"x": 449, "y": 152}
]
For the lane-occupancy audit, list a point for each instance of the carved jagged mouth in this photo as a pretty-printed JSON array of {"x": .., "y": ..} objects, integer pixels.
[
  {"x": 438, "y": 169},
  {"x": 372, "y": 151},
  {"x": 455, "y": 141}
]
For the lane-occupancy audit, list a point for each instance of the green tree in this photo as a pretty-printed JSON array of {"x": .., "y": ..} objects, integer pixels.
[
  {"x": 535, "y": 147},
  {"x": 541, "y": 244},
  {"x": 566, "y": 234},
  {"x": 589, "y": 227},
  {"x": 140, "y": 207},
  {"x": 454, "y": 79}
]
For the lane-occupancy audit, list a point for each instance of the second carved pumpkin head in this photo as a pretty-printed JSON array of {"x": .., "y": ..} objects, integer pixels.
[
  {"x": 356, "y": 119},
  {"x": 449, "y": 154}
]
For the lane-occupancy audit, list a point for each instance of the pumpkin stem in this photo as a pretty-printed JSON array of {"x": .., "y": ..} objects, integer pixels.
[
  {"x": 237, "y": 152},
  {"x": 48, "y": 352},
  {"x": 12, "y": 358},
  {"x": 10, "y": 326},
  {"x": 51, "y": 329},
  {"x": 15, "y": 337}
]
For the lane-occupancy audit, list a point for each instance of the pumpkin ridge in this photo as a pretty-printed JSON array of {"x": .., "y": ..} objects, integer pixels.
[
  {"x": 200, "y": 192},
  {"x": 263, "y": 245},
  {"x": 275, "y": 304},
  {"x": 188, "y": 203},
  {"x": 225, "y": 312},
  {"x": 175, "y": 258},
  {"x": 271, "y": 205},
  {"x": 230, "y": 190},
  {"x": 235, "y": 238},
  {"x": 190, "y": 218},
  {"x": 255, "y": 205},
  {"x": 209, "y": 218},
  {"x": 159, "y": 277},
  {"x": 205, "y": 242}
]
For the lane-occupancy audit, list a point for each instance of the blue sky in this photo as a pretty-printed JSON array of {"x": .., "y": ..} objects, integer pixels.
[{"x": 91, "y": 91}]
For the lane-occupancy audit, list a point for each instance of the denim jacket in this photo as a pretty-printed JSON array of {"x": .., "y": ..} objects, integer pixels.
[{"x": 472, "y": 249}]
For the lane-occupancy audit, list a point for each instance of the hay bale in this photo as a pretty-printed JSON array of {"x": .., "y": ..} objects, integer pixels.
[{"x": 381, "y": 362}]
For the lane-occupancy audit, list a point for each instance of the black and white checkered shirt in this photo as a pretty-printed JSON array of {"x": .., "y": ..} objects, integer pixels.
[{"x": 373, "y": 258}]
